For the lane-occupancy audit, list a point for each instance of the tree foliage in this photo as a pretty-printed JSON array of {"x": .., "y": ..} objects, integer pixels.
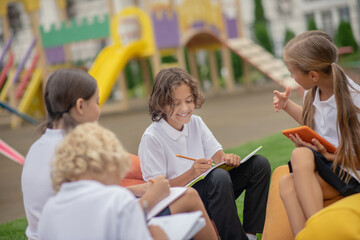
[
  {"x": 262, "y": 35},
  {"x": 288, "y": 35},
  {"x": 311, "y": 24},
  {"x": 237, "y": 66},
  {"x": 259, "y": 11},
  {"x": 345, "y": 37},
  {"x": 260, "y": 27}
]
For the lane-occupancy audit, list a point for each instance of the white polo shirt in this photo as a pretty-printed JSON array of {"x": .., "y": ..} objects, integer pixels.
[
  {"x": 88, "y": 209},
  {"x": 326, "y": 112},
  {"x": 35, "y": 178},
  {"x": 161, "y": 142}
]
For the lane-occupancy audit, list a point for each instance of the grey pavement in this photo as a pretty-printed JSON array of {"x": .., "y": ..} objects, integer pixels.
[{"x": 234, "y": 118}]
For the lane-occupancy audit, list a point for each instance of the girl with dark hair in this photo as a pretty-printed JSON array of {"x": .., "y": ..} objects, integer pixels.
[
  {"x": 71, "y": 97},
  {"x": 66, "y": 95}
]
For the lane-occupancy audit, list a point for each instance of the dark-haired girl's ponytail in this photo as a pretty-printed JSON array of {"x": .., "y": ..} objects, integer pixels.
[{"x": 68, "y": 122}]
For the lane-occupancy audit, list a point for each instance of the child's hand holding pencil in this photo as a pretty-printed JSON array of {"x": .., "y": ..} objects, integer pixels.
[
  {"x": 159, "y": 186},
  {"x": 200, "y": 165},
  {"x": 158, "y": 189},
  {"x": 193, "y": 159}
]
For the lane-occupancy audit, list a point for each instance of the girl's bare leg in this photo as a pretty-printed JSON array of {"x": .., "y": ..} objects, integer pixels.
[
  {"x": 304, "y": 191},
  {"x": 306, "y": 183},
  {"x": 292, "y": 204},
  {"x": 190, "y": 202}
]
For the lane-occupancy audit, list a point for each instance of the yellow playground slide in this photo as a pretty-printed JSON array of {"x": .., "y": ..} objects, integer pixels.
[
  {"x": 110, "y": 62},
  {"x": 112, "y": 59},
  {"x": 27, "y": 104}
]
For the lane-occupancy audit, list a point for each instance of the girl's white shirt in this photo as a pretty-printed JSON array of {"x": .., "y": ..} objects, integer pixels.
[
  {"x": 35, "y": 178},
  {"x": 88, "y": 209},
  {"x": 326, "y": 113},
  {"x": 161, "y": 142}
]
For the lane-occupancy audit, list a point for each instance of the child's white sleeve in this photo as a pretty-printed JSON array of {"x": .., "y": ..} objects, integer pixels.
[
  {"x": 210, "y": 144},
  {"x": 152, "y": 158}
]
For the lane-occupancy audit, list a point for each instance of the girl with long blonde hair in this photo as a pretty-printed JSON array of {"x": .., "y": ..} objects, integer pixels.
[{"x": 331, "y": 108}]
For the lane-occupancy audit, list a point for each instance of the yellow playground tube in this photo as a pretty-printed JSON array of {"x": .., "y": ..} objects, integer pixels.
[{"x": 112, "y": 59}]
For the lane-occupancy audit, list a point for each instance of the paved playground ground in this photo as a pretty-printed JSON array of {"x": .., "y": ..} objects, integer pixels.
[{"x": 234, "y": 118}]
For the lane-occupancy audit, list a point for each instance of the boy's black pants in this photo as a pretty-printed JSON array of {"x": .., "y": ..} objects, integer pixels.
[{"x": 221, "y": 188}]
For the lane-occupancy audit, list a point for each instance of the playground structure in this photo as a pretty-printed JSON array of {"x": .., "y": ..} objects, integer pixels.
[
  {"x": 167, "y": 30},
  {"x": 21, "y": 89},
  {"x": 160, "y": 30}
]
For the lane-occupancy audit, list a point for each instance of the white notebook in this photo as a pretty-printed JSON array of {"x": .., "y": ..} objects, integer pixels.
[
  {"x": 221, "y": 165},
  {"x": 180, "y": 226},
  {"x": 175, "y": 193}
]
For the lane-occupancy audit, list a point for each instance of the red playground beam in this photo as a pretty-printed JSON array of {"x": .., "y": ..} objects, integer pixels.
[
  {"x": 6, "y": 69},
  {"x": 11, "y": 153}
]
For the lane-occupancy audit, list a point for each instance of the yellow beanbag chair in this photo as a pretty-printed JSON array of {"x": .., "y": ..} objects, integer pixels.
[
  {"x": 341, "y": 220},
  {"x": 277, "y": 226}
]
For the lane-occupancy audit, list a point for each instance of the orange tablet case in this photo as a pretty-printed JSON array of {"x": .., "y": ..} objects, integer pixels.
[{"x": 307, "y": 134}]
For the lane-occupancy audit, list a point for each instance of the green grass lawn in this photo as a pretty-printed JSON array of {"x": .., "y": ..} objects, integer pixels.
[
  {"x": 276, "y": 148},
  {"x": 13, "y": 230}
]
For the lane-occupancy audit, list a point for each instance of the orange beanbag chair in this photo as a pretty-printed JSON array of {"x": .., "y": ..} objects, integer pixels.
[{"x": 134, "y": 176}]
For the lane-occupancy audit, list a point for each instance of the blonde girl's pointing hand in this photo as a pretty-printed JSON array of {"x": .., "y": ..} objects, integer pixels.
[{"x": 281, "y": 98}]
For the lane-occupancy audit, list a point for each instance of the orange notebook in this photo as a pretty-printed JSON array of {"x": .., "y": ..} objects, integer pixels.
[{"x": 307, "y": 134}]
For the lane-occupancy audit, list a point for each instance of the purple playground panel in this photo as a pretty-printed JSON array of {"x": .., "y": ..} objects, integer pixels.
[
  {"x": 198, "y": 25},
  {"x": 231, "y": 27},
  {"x": 55, "y": 55},
  {"x": 166, "y": 30}
]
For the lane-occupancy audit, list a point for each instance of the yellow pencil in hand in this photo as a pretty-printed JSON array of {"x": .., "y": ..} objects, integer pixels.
[
  {"x": 181, "y": 156},
  {"x": 193, "y": 159}
]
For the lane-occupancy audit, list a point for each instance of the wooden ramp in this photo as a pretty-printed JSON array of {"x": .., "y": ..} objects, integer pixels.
[{"x": 262, "y": 60}]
